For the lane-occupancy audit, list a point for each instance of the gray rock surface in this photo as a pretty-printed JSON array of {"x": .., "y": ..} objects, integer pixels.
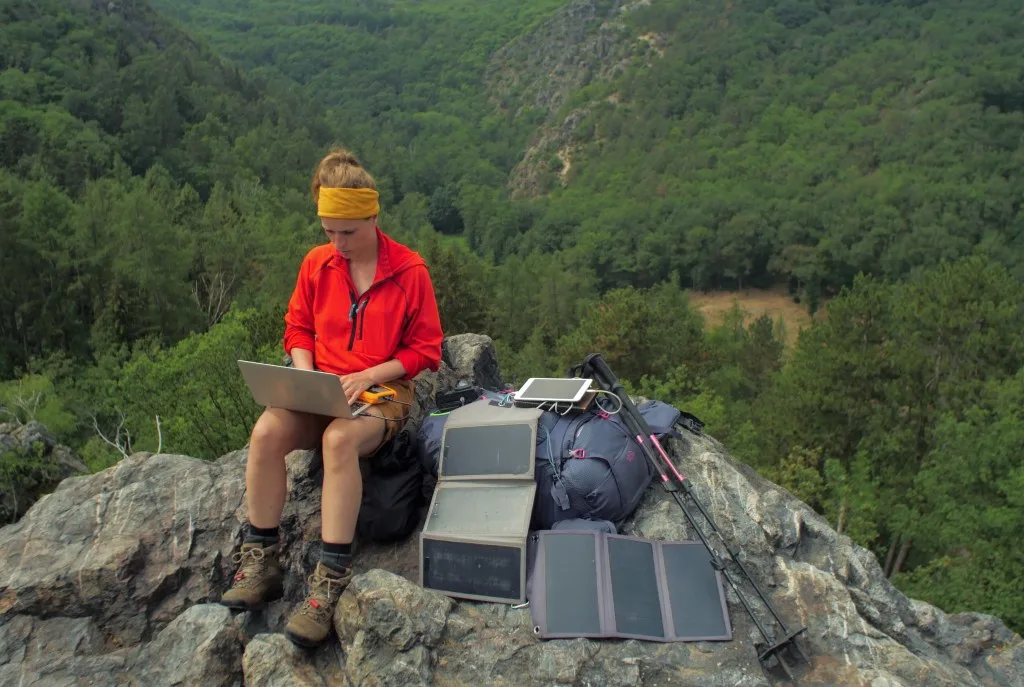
[
  {"x": 112, "y": 580},
  {"x": 131, "y": 547},
  {"x": 200, "y": 647},
  {"x": 471, "y": 358}
]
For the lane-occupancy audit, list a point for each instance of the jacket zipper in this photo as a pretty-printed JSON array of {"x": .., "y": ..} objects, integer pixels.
[
  {"x": 362, "y": 320},
  {"x": 353, "y": 313},
  {"x": 359, "y": 303},
  {"x": 357, "y": 316}
]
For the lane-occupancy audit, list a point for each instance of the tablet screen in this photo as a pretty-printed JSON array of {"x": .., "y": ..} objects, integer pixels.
[{"x": 548, "y": 389}]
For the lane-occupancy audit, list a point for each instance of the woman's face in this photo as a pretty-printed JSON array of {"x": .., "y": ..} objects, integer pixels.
[{"x": 352, "y": 238}]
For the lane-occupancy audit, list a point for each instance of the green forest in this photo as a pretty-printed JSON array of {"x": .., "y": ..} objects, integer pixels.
[{"x": 570, "y": 177}]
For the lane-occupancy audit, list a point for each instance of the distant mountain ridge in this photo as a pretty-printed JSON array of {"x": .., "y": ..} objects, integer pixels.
[{"x": 753, "y": 143}]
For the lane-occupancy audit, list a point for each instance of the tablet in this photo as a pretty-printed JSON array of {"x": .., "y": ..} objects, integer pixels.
[{"x": 563, "y": 390}]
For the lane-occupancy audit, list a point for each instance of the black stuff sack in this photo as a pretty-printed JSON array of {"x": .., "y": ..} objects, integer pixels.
[{"x": 392, "y": 504}]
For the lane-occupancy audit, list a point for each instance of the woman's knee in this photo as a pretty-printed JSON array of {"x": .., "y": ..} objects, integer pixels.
[
  {"x": 340, "y": 445},
  {"x": 275, "y": 431}
]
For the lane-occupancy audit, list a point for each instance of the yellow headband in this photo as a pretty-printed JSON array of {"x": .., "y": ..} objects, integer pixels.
[{"x": 348, "y": 203}]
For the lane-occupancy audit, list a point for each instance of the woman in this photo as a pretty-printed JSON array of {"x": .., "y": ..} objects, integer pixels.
[{"x": 363, "y": 308}]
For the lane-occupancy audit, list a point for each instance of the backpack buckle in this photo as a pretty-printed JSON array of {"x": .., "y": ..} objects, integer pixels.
[{"x": 578, "y": 453}]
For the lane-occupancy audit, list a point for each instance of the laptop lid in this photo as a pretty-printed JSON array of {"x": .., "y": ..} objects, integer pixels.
[{"x": 308, "y": 391}]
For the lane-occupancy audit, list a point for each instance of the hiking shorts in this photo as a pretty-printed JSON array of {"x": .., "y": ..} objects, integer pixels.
[{"x": 394, "y": 414}]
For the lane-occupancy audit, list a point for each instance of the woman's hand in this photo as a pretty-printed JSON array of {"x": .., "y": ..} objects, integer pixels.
[{"x": 355, "y": 384}]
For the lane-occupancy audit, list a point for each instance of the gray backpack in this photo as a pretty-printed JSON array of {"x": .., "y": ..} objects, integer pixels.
[{"x": 589, "y": 467}]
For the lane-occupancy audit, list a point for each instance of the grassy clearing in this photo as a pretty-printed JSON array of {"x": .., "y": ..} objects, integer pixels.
[{"x": 778, "y": 304}]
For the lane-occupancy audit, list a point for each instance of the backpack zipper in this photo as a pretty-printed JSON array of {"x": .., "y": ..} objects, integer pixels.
[{"x": 584, "y": 421}]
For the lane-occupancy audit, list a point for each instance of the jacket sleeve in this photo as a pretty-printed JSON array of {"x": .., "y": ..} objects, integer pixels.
[
  {"x": 420, "y": 347},
  {"x": 298, "y": 320}
]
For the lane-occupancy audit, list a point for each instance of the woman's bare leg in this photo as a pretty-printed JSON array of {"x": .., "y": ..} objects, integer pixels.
[
  {"x": 344, "y": 442},
  {"x": 277, "y": 433}
]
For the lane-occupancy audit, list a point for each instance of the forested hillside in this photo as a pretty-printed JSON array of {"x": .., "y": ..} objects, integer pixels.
[
  {"x": 402, "y": 79},
  {"x": 740, "y": 143},
  {"x": 758, "y": 142},
  {"x": 569, "y": 170},
  {"x": 144, "y": 183}
]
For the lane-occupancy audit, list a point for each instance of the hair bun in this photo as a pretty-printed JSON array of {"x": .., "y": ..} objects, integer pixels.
[
  {"x": 344, "y": 157},
  {"x": 340, "y": 169}
]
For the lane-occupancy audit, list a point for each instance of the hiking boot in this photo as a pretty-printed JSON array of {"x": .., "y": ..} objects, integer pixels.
[
  {"x": 259, "y": 575},
  {"x": 311, "y": 624}
]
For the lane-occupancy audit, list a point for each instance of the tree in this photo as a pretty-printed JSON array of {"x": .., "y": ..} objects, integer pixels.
[
  {"x": 638, "y": 332},
  {"x": 444, "y": 213}
]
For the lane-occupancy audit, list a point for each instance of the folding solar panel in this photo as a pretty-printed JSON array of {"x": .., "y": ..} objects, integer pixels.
[
  {"x": 480, "y": 509},
  {"x": 594, "y": 584},
  {"x": 473, "y": 543},
  {"x": 485, "y": 441}
]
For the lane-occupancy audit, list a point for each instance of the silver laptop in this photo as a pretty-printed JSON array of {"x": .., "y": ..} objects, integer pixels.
[{"x": 308, "y": 391}]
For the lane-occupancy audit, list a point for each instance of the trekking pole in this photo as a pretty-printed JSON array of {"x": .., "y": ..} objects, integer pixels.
[{"x": 597, "y": 367}]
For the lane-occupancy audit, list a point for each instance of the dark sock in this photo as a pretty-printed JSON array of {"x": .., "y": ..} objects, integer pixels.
[
  {"x": 264, "y": 536},
  {"x": 337, "y": 557}
]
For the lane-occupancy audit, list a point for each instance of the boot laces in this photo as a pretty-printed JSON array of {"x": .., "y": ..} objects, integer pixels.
[
  {"x": 324, "y": 591},
  {"x": 252, "y": 564}
]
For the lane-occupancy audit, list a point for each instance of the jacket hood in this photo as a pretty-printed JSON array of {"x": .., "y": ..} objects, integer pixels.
[{"x": 394, "y": 256}]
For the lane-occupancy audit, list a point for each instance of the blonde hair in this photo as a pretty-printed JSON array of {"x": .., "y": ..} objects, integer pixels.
[{"x": 340, "y": 169}]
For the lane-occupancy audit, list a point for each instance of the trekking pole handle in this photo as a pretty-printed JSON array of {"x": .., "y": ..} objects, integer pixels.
[
  {"x": 600, "y": 367},
  {"x": 596, "y": 363}
]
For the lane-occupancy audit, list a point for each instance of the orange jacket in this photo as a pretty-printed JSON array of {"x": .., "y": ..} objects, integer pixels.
[{"x": 396, "y": 318}]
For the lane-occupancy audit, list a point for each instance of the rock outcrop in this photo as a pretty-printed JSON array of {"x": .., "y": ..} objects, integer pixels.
[
  {"x": 113, "y": 579},
  {"x": 41, "y": 465},
  {"x": 585, "y": 42},
  {"x": 544, "y": 67}
]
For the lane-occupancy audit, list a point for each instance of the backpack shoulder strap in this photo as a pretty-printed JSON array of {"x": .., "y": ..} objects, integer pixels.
[
  {"x": 567, "y": 431},
  {"x": 557, "y": 442}
]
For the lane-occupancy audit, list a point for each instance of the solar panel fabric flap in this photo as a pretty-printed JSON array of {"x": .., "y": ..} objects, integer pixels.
[
  {"x": 481, "y": 441},
  {"x": 476, "y": 568},
  {"x": 594, "y": 584}
]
